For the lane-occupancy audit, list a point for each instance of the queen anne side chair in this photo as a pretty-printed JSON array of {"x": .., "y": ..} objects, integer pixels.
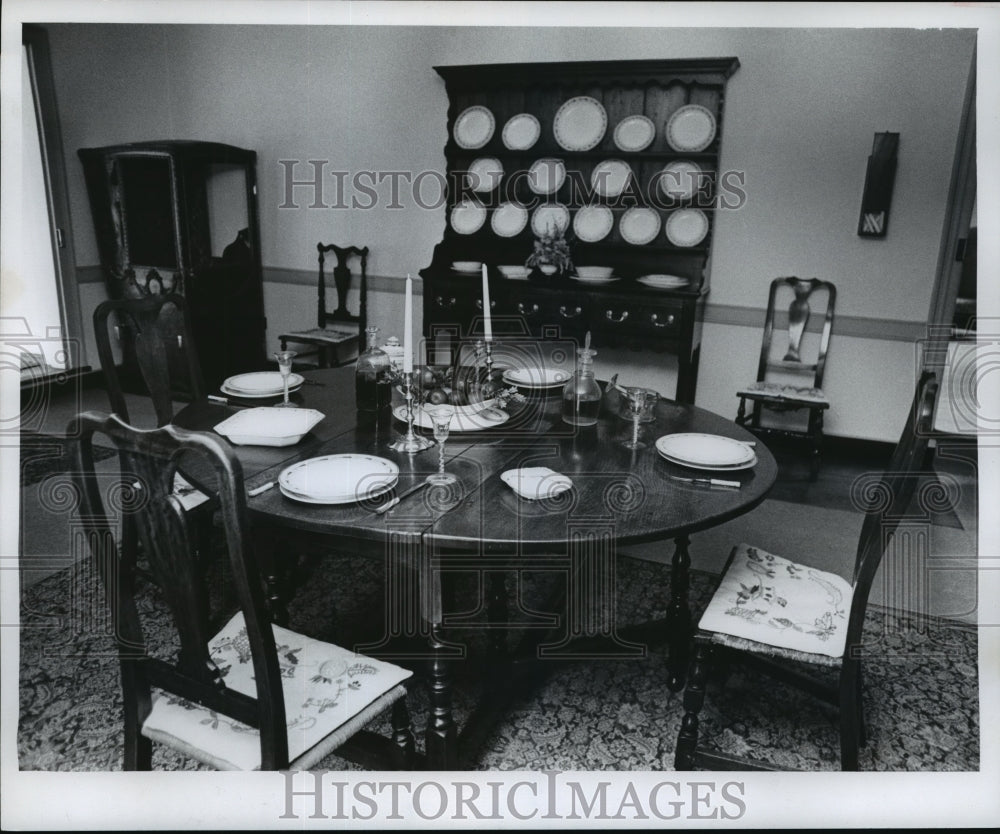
[
  {"x": 340, "y": 330},
  {"x": 768, "y": 610},
  {"x": 254, "y": 695},
  {"x": 780, "y": 395}
]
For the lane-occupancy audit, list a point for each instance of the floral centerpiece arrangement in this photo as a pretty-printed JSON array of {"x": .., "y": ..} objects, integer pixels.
[{"x": 552, "y": 250}]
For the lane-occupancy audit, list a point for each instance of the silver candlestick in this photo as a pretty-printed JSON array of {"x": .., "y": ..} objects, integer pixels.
[
  {"x": 488, "y": 388},
  {"x": 410, "y": 442}
]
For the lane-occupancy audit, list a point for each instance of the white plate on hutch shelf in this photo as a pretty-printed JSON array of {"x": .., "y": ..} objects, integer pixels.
[
  {"x": 680, "y": 180},
  {"x": 521, "y": 132},
  {"x": 580, "y": 123},
  {"x": 593, "y": 223},
  {"x": 509, "y": 219},
  {"x": 639, "y": 225},
  {"x": 467, "y": 267},
  {"x": 514, "y": 272},
  {"x": 691, "y": 128},
  {"x": 485, "y": 174},
  {"x": 687, "y": 227},
  {"x": 610, "y": 177},
  {"x": 474, "y": 127},
  {"x": 663, "y": 282},
  {"x": 467, "y": 217},
  {"x": 548, "y": 218},
  {"x": 546, "y": 175},
  {"x": 635, "y": 133}
]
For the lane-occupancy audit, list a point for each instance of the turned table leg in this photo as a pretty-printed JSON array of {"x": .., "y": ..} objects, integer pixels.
[
  {"x": 441, "y": 738},
  {"x": 678, "y": 614}
]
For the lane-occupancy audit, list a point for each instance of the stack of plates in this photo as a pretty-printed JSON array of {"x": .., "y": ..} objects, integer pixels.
[
  {"x": 466, "y": 417},
  {"x": 711, "y": 452},
  {"x": 338, "y": 479},
  {"x": 259, "y": 385},
  {"x": 663, "y": 282},
  {"x": 536, "y": 377}
]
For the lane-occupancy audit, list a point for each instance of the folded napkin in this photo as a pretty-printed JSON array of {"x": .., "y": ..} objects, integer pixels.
[{"x": 536, "y": 482}]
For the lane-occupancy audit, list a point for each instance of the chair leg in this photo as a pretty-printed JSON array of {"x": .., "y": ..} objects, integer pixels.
[
  {"x": 816, "y": 433},
  {"x": 741, "y": 414},
  {"x": 862, "y": 724},
  {"x": 850, "y": 712},
  {"x": 402, "y": 735},
  {"x": 694, "y": 698}
]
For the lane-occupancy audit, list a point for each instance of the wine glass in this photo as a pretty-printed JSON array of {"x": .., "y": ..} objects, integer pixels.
[
  {"x": 284, "y": 359},
  {"x": 440, "y": 416},
  {"x": 636, "y": 404}
]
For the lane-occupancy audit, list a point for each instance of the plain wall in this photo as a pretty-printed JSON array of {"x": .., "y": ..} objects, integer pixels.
[{"x": 800, "y": 117}]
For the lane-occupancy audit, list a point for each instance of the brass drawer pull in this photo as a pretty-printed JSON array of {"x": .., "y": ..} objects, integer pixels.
[
  {"x": 566, "y": 314},
  {"x": 526, "y": 312},
  {"x": 441, "y": 302},
  {"x": 479, "y": 304},
  {"x": 671, "y": 318},
  {"x": 610, "y": 316}
]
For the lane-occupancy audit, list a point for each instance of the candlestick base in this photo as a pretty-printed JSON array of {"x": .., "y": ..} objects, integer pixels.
[{"x": 410, "y": 442}]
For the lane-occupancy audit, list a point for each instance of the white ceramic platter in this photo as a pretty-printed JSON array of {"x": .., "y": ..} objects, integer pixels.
[
  {"x": 687, "y": 227},
  {"x": 610, "y": 177},
  {"x": 680, "y": 180},
  {"x": 580, "y": 123},
  {"x": 546, "y": 175},
  {"x": 593, "y": 223},
  {"x": 474, "y": 127},
  {"x": 639, "y": 225},
  {"x": 521, "y": 132},
  {"x": 468, "y": 217},
  {"x": 509, "y": 219},
  {"x": 485, "y": 174},
  {"x": 268, "y": 426},
  {"x": 635, "y": 133},
  {"x": 691, "y": 128}
]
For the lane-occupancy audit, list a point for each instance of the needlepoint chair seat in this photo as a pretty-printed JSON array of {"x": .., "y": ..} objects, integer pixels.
[
  {"x": 794, "y": 395},
  {"x": 779, "y": 604},
  {"x": 330, "y": 694},
  {"x": 337, "y": 331}
]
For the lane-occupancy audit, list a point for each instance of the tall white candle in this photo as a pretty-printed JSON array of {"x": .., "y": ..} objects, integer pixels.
[
  {"x": 487, "y": 322},
  {"x": 408, "y": 327}
]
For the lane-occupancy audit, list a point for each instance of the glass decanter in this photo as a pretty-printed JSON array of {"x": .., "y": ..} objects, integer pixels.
[
  {"x": 582, "y": 395},
  {"x": 373, "y": 375}
]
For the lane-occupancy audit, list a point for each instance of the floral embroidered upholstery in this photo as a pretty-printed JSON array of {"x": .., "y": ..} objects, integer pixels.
[
  {"x": 786, "y": 392},
  {"x": 772, "y": 600},
  {"x": 325, "y": 687}
]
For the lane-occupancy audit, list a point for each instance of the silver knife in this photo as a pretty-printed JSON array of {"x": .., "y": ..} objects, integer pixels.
[
  {"x": 389, "y": 505},
  {"x": 708, "y": 481}
]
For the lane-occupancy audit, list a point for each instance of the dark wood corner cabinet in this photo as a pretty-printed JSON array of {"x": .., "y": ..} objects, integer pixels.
[
  {"x": 181, "y": 216},
  {"x": 637, "y": 145}
]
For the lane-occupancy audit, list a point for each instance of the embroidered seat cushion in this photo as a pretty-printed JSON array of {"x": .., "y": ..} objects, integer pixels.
[
  {"x": 786, "y": 392},
  {"x": 328, "y": 690},
  {"x": 333, "y": 335},
  {"x": 772, "y": 600}
]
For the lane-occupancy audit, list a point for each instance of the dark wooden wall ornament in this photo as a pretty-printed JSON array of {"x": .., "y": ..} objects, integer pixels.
[{"x": 879, "y": 179}]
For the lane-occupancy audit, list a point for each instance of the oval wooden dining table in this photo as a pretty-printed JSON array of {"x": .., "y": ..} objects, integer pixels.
[{"x": 619, "y": 496}]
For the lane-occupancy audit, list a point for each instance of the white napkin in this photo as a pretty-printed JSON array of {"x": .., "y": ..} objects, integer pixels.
[{"x": 536, "y": 482}]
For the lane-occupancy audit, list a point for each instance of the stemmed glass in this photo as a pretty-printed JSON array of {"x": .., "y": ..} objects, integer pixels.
[
  {"x": 440, "y": 416},
  {"x": 284, "y": 359},
  {"x": 636, "y": 404}
]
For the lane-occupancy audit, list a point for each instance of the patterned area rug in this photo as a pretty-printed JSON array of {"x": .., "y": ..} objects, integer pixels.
[
  {"x": 921, "y": 694},
  {"x": 43, "y": 455}
]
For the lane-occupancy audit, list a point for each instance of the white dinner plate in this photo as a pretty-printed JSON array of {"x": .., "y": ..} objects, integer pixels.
[
  {"x": 536, "y": 377},
  {"x": 509, "y": 219},
  {"x": 610, "y": 177},
  {"x": 521, "y": 132},
  {"x": 639, "y": 225},
  {"x": 593, "y": 223},
  {"x": 698, "y": 449},
  {"x": 635, "y": 133},
  {"x": 465, "y": 419},
  {"x": 552, "y": 217},
  {"x": 596, "y": 279},
  {"x": 750, "y": 464},
  {"x": 687, "y": 227},
  {"x": 536, "y": 482},
  {"x": 663, "y": 282},
  {"x": 691, "y": 128},
  {"x": 260, "y": 383},
  {"x": 485, "y": 174},
  {"x": 268, "y": 426},
  {"x": 546, "y": 175},
  {"x": 474, "y": 127},
  {"x": 681, "y": 179},
  {"x": 338, "y": 479},
  {"x": 580, "y": 123},
  {"x": 468, "y": 217}
]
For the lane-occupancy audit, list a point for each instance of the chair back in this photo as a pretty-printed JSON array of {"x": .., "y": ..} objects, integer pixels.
[
  {"x": 169, "y": 540},
  {"x": 799, "y": 312},
  {"x": 342, "y": 284},
  {"x": 887, "y": 497},
  {"x": 157, "y": 351}
]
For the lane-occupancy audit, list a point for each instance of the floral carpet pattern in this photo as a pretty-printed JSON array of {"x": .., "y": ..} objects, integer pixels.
[{"x": 921, "y": 684}]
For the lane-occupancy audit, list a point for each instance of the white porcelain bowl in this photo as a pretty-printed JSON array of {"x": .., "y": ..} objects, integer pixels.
[
  {"x": 514, "y": 272},
  {"x": 594, "y": 271},
  {"x": 467, "y": 266}
]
